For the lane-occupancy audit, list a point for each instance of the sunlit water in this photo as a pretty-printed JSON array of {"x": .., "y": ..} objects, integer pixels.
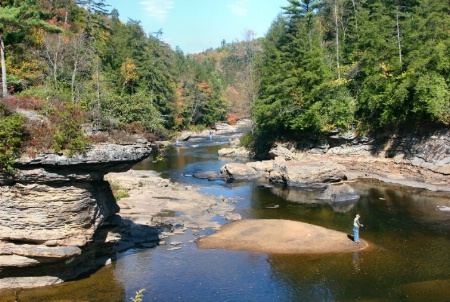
[{"x": 409, "y": 259}]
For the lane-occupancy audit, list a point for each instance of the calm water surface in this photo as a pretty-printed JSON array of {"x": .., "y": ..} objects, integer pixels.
[{"x": 409, "y": 231}]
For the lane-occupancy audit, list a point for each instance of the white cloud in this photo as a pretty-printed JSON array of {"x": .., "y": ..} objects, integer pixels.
[
  {"x": 239, "y": 7},
  {"x": 159, "y": 9}
]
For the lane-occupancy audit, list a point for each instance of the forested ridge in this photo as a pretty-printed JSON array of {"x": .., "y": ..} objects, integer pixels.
[
  {"x": 354, "y": 65},
  {"x": 323, "y": 65}
]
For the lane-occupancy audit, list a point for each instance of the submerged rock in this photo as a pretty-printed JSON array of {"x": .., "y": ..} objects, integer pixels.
[
  {"x": 209, "y": 175},
  {"x": 309, "y": 173}
]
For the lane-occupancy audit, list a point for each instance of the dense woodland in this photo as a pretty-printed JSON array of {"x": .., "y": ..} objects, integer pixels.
[
  {"x": 323, "y": 66},
  {"x": 354, "y": 64}
]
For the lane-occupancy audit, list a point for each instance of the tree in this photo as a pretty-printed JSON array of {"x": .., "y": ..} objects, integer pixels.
[
  {"x": 94, "y": 9},
  {"x": 15, "y": 18}
]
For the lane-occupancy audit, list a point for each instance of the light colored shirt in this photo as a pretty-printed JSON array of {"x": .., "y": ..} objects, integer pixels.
[{"x": 356, "y": 223}]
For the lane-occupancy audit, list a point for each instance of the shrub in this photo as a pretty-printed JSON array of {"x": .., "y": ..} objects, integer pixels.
[
  {"x": 12, "y": 133},
  {"x": 118, "y": 191},
  {"x": 24, "y": 102},
  {"x": 232, "y": 118},
  {"x": 66, "y": 119}
]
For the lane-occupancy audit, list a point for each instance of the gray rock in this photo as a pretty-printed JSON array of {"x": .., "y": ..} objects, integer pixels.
[
  {"x": 210, "y": 175},
  {"x": 27, "y": 250},
  {"x": 16, "y": 261},
  {"x": 308, "y": 173},
  {"x": 237, "y": 171},
  {"x": 101, "y": 158},
  {"x": 232, "y": 216},
  {"x": 185, "y": 136},
  {"x": 283, "y": 152},
  {"x": 264, "y": 167},
  {"x": 29, "y": 282}
]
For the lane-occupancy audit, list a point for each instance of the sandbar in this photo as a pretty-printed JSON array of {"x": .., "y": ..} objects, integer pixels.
[{"x": 280, "y": 236}]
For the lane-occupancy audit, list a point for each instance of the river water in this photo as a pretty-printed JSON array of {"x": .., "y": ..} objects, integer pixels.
[{"x": 408, "y": 229}]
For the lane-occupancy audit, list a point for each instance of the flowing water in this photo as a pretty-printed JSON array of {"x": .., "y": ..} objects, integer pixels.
[{"x": 408, "y": 229}]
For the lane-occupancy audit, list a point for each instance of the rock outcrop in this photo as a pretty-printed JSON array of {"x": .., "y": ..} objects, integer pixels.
[
  {"x": 307, "y": 173},
  {"x": 57, "y": 214},
  {"x": 238, "y": 171},
  {"x": 424, "y": 148},
  {"x": 411, "y": 158},
  {"x": 310, "y": 173}
]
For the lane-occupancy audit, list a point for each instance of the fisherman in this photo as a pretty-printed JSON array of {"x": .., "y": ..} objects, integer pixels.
[{"x": 356, "y": 225}]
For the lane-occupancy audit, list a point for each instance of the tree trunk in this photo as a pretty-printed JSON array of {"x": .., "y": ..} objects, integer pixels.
[
  {"x": 356, "y": 19},
  {"x": 398, "y": 38},
  {"x": 337, "y": 39},
  {"x": 2, "y": 54},
  {"x": 74, "y": 74}
]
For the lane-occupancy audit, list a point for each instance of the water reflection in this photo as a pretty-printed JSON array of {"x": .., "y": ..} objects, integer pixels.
[
  {"x": 356, "y": 261},
  {"x": 99, "y": 287},
  {"x": 308, "y": 196}
]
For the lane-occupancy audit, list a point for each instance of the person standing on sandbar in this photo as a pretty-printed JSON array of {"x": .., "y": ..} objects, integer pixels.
[{"x": 356, "y": 225}]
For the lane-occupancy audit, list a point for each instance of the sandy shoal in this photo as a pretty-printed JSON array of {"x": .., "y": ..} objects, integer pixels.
[{"x": 280, "y": 236}]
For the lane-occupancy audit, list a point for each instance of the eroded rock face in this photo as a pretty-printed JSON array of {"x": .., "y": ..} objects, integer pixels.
[
  {"x": 57, "y": 214},
  {"x": 66, "y": 214},
  {"x": 306, "y": 173}
]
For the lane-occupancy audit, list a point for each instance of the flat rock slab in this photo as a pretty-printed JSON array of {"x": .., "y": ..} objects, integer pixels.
[{"x": 279, "y": 236}]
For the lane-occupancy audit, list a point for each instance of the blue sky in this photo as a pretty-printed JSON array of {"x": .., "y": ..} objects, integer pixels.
[{"x": 196, "y": 25}]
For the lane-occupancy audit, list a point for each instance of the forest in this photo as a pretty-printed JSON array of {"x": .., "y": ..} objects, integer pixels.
[
  {"x": 361, "y": 65},
  {"x": 324, "y": 65}
]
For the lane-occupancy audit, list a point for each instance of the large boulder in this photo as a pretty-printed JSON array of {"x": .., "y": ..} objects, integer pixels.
[
  {"x": 237, "y": 171},
  {"x": 341, "y": 197},
  {"x": 283, "y": 152},
  {"x": 308, "y": 173}
]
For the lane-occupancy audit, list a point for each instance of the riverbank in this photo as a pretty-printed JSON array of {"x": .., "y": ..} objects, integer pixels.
[{"x": 159, "y": 202}]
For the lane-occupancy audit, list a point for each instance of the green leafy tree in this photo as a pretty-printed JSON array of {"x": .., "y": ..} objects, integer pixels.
[
  {"x": 12, "y": 134},
  {"x": 17, "y": 16}
]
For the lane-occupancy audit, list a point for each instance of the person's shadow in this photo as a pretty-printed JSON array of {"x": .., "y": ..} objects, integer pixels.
[{"x": 350, "y": 237}]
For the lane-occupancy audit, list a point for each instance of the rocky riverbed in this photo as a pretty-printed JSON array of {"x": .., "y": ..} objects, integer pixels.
[{"x": 152, "y": 198}]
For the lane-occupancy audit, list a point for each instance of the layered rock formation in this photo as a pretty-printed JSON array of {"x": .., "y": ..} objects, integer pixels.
[
  {"x": 411, "y": 159},
  {"x": 57, "y": 215}
]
